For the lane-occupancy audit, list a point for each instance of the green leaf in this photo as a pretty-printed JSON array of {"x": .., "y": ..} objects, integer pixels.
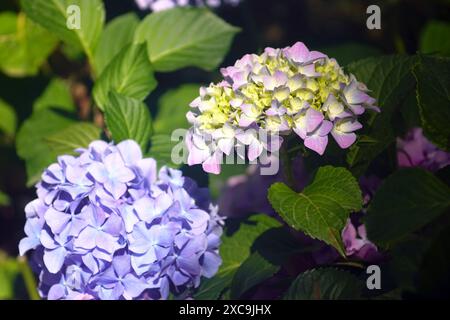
[
  {"x": 407, "y": 200},
  {"x": 53, "y": 15},
  {"x": 117, "y": 34},
  {"x": 30, "y": 142},
  {"x": 57, "y": 95},
  {"x": 29, "y": 43},
  {"x": 254, "y": 270},
  {"x": 172, "y": 108},
  {"x": 129, "y": 74},
  {"x": 161, "y": 150},
  {"x": 75, "y": 136},
  {"x": 4, "y": 199},
  {"x": 235, "y": 249},
  {"x": 323, "y": 207},
  {"x": 9, "y": 274},
  {"x": 185, "y": 37},
  {"x": 325, "y": 284},
  {"x": 8, "y": 118},
  {"x": 128, "y": 118},
  {"x": 433, "y": 276},
  {"x": 277, "y": 245},
  {"x": 406, "y": 257},
  {"x": 433, "y": 95},
  {"x": 390, "y": 80},
  {"x": 434, "y": 38}
]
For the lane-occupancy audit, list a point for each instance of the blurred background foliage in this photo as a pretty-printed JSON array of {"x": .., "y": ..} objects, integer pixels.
[{"x": 36, "y": 70}]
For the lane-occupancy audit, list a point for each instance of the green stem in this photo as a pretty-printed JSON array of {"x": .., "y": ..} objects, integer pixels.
[
  {"x": 287, "y": 166},
  {"x": 28, "y": 277}
]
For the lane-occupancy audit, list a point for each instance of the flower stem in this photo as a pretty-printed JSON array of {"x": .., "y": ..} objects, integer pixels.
[
  {"x": 287, "y": 166},
  {"x": 28, "y": 278}
]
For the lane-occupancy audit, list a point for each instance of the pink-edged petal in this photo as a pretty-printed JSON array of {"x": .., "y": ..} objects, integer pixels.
[
  {"x": 344, "y": 140},
  {"x": 245, "y": 121},
  {"x": 226, "y": 145},
  {"x": 197, "y": 156},
  {"x": 349, "y": 126},
  {"x": 317, "y": 143},
  {"x": 325, "y": 128},
  {"x": 301, "y": 132},
  {"x": 212, "y": 164},
  {"x": 313, "y": 119},
  {"x": 255, "y": 149},
  {"x": 357, "y": 109},
  {"x": 298, "y": 52}
]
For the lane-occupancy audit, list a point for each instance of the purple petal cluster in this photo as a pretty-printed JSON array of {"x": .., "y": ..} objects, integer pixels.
[
  {"x": 278, "y": 92},
  {"x": 414, "y": 150},
  {"x": 106, "y": 225},
  {"x": 160, "y": 5}
]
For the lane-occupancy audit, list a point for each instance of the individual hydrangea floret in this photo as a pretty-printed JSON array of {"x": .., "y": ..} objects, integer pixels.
[
  {"x": 357, "y": 244},
  {"x": 414, "y": 150},
  {"x": 160, "y": 5},
  {"x": 278, "y": 92},
  {"x": 106, "y": 225}
]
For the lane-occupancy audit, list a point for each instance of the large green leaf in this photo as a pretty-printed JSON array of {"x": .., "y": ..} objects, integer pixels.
[
  {"x": 8, "y": 118},
  {"x": 390, "y": 80},
  {"x": 235, "y": 249},
  {"x": 434, "y": 278},
  {"x": 128, "y": 118},
  {"x": 172, "y": 108},
  {"x": 54, "y": 15},
  {"x": 433, "y": 95},
  {"x": 57, "y": 95},
  {"x": 129, "y": 74},
  {"x": 408, "y": 200},
  {"x": 325, "y": 284},
  {"x": 30, "y": 142},
  {"x": 24, "y": 46},
  {"x": 253, "y": 271},
  {"x": 161, "y": 150},
  {"x": 75, "y": 136},
  {"x": 185, "y": 37},
  {"x": 434, "y": 38},
  {"x": 323, "y": 207},
  {"x": 117, "y": 34}
]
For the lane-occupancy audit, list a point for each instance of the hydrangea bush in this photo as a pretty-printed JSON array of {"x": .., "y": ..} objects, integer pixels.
[
  {"x": 122, "y": 209},
  {"x": 279, "y": 91}
]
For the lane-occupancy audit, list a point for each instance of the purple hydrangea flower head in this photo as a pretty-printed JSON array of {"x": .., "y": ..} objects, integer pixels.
[
  {"x": 107, "y": 225},
  {"x": 278, "y": 92},
  {"x": 160, "y": 5},
  {"x": 414, "y": 150}
]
